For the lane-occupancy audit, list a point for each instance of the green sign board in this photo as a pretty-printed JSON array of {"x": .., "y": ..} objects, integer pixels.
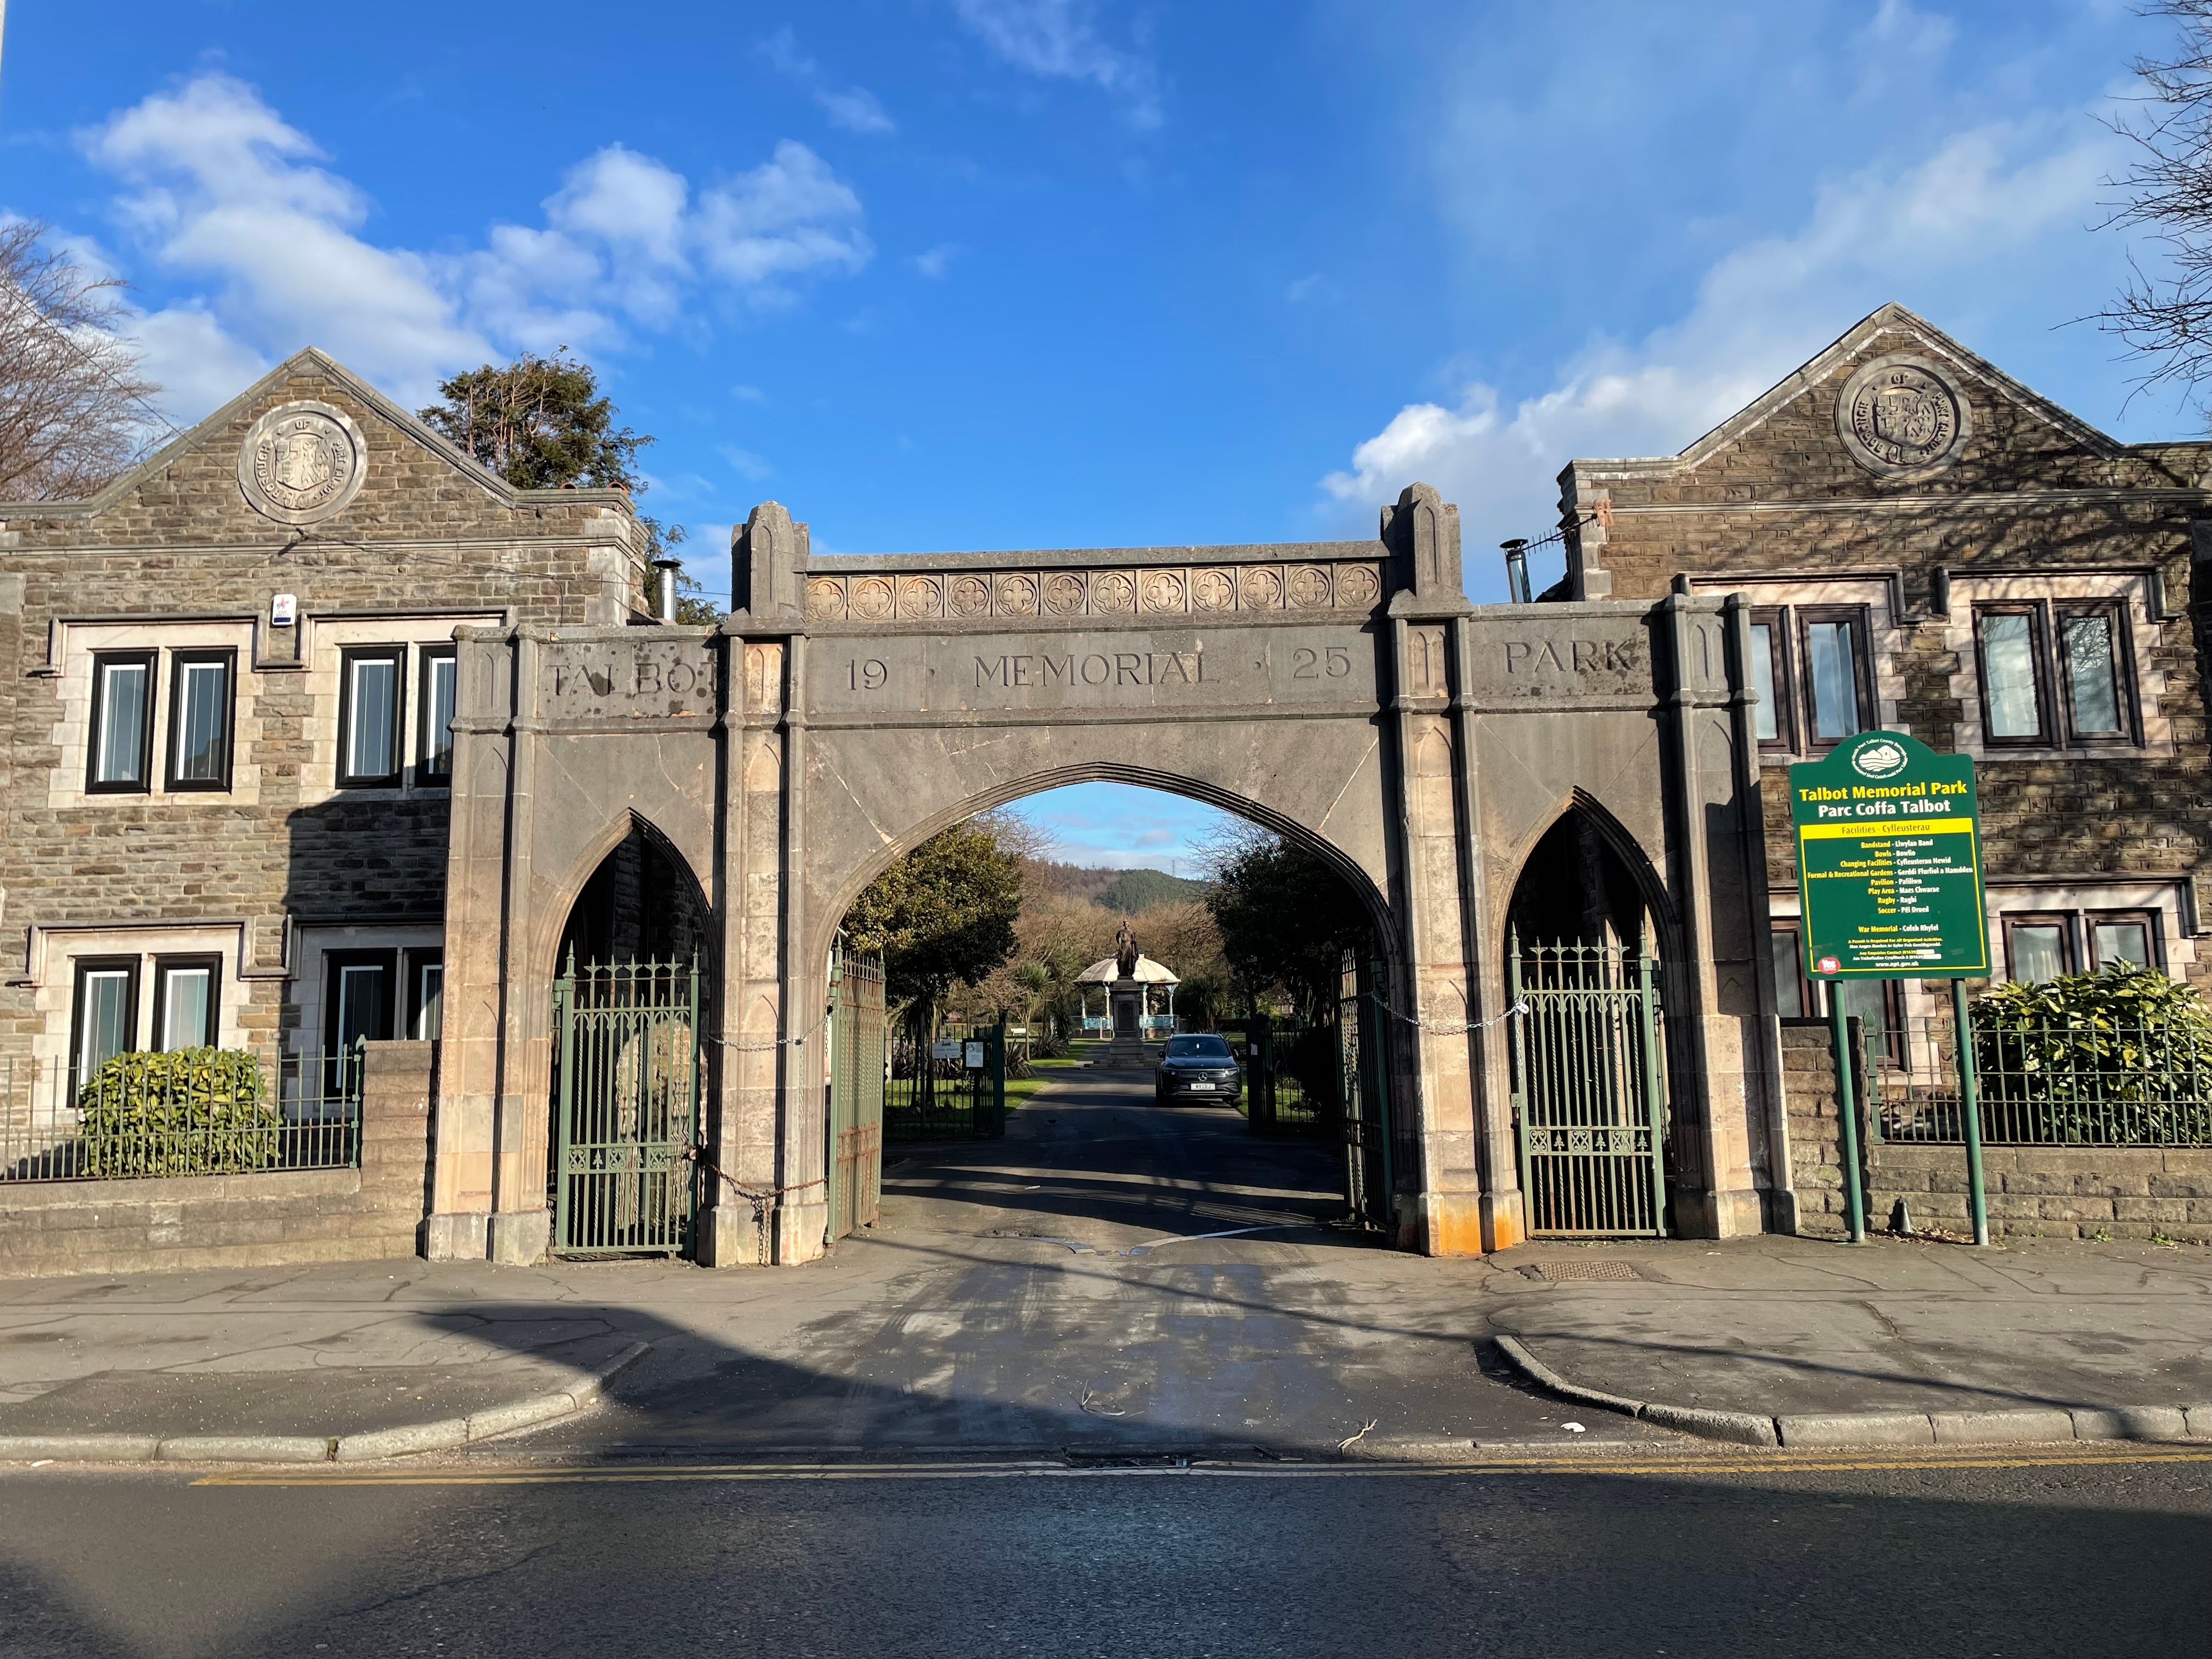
[{"x": 1889, "y": 861}]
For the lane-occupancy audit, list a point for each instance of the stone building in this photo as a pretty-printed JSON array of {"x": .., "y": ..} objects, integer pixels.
[
  {"x": 1929, "y": 546},
  {"x": 224, "y": 687}
]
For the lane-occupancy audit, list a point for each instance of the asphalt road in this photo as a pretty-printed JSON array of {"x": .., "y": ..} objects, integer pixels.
[{"x": 2070, "y": 1557}]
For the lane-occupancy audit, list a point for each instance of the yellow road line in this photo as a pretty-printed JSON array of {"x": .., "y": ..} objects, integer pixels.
[{"x": 1773, "y": 1463}]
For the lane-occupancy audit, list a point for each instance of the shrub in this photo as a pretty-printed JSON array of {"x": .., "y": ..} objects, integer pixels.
[
  {"x": 1052, "y": 1047},
  {"x": 190, "y": 1111},
  {"x": 2098, "y": 1059}
]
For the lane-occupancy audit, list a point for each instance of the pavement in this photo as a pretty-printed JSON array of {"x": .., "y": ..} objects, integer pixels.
[{"x": 1116, "y": 1281}]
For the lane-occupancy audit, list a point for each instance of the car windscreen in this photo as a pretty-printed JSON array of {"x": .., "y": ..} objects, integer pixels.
[{"x": 1199, "y": 1048}]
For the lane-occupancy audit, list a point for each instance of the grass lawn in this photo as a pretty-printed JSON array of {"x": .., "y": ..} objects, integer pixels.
[{"x": 1042, "y": 1074}]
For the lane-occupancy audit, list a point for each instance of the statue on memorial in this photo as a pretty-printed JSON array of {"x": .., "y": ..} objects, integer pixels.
[{"x": 1125, "y": 951}]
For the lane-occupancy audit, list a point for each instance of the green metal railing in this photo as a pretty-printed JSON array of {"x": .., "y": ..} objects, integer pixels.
[
  {"x": 626, "y": 1091},
  {"x": 1290, "y": 1087},
  {"x": 1362, "y": 1092},
  {"x": 283, "y": 1112},
  {"x": 931, "y": 1098},
  {"x": 1589, "y": 1089},
  {"x": 2078, "y": 1082}
]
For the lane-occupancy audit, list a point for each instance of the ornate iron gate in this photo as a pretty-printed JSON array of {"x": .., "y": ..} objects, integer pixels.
[
  {"x": 1589, "y": 1090},
  {"x": 1362, "y": 1091},
  {"x": 626, "y": 1106},
  {"x": 856, "y": 1090}
]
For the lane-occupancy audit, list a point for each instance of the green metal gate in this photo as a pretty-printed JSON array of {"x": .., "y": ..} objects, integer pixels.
[
  {"x": 1362, "y": 1091},
  {"x": 625, "y": 1107},
  {"x": 1289, "y": 1086},
  {"x": 856, "y": 1090},
  {"x": 932, "y": 1098},
  {"x": 1589, "y": 1089}
]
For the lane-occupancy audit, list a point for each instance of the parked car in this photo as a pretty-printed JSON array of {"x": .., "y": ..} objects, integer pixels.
[{"x": 1199, "y": 1066}]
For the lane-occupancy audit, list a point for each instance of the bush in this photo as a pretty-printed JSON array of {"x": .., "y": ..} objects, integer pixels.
[
  {"x": 190, "y": 1111},
  {"x": 1054, "y": 1047},
  {"x": 2099, "y": 1059}
]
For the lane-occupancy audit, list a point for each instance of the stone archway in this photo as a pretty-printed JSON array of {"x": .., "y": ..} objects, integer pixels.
[{"x": 1346, "y": 694}]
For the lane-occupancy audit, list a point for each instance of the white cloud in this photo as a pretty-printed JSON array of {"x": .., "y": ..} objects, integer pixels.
[
  {"x": 748, "y": 394},
  {"x": 937, "y": 261},
  {"x": 1058, "y": 40},
  {"x": 1976, "y": 228},
  {"x": 745, "y": 464},
  {"x": 218, "y": 189},
  {"x": 853, "y": 108},
  {"x": 1314, "y": 286}
]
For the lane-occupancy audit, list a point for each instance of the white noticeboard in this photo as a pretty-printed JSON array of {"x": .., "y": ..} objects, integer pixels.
[
  {"x": 945, "y": 1048},
  {"x": 974, "y": 1060}
]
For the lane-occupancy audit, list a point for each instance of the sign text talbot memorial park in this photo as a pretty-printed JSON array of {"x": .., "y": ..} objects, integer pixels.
[{"x": 1889, "y": 882}]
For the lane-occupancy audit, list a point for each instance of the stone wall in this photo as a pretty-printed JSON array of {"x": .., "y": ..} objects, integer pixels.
[
  {"x": 176, "y": 556},
  {"x": 2033, "y": 504},
  {"x": 2046, "y": 1192},
  {"x": 370, "y": 1213}
]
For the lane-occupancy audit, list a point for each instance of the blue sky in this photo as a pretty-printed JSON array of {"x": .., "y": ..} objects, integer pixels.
[{"x": 968, "y": 274}]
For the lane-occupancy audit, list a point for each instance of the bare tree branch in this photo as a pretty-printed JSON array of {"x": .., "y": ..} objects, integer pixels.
[
  {"x": 2165, "y": 319},
  {"x": 74, "y": 409}
]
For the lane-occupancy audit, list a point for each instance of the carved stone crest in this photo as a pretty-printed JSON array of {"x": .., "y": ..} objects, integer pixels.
[
  {"x": 1357, "y": 585},
  {"x": 825, "y": 599},
  {"x": 871, "y": 598},
  {"x": 1902, "y": 416},
  {"x": 1308, "y": 587},
  {"x": 1213, "y": 590},
  {"x": 920, "y": 596},
  {"x": 1018, "y": 595},
  {"x": 301, "y": 463},
  {"x": 1112, "y": 592},
  {"x": 1063, "y": 593},
  {"x": 970, "y": 596}
]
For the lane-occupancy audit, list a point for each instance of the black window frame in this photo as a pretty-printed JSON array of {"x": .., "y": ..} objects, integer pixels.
[
  {"x": 2070, "y": 945},
  {"x": 2039, "y": 645},
  {"x": 2115, "y": 611},
  {"x": 1860, "y": 618},
  {"x": 347, "y": 657},
  {"x": 335, "y": 963},
  {"x": 2153, "y": 926},
  {"x": 427, "y": 776},
  {"x": 143, "y": 784},
  {"x": 1793, "y": 929},
  {"x": 187, "y": 962},
  {"x": 1775, "y": 619},
  {"x": 82, "y": 968},
  {"x": 414, "y": 960},
  {"x": 227, "y": 656}
]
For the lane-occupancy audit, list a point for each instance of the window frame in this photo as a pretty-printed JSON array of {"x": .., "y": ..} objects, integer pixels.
[
  {"x": 1793, "y": 929},
  {"x": 420, "y": 960},
  {"x": 95, "y": 734},
  {"x": 179, "y": 660},
  {"x": 1776, "y": 620},
  {"x": 1861, "y": 620},
  {"x": 192, "y": 962},
  {"x": 2040, "y": 647},
  {"x": 2116, "y": 613},
  {"x": 2153, "y": 926},
  {"x": 348, "y": 656},
  {"x": 335, "y": 963},
  {"x": 2070, "y": 945},
  {"x": 82, "y": 969},
  {"x": 427, "y": 657}
]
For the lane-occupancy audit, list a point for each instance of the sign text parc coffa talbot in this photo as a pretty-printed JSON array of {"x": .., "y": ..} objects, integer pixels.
[{"x": 1889, "y": 861}]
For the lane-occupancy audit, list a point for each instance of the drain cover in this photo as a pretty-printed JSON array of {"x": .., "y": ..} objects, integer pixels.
[{"x": 1581, "y": 1270}]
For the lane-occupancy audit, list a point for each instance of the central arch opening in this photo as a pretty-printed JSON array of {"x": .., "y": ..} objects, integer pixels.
[{"x": 1113, "y": 1017}]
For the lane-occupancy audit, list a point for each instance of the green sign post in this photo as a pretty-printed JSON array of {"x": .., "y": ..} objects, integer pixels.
[{"x": 1889, "y": 882}]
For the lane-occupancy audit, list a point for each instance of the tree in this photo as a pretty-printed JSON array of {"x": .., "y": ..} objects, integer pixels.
[
  {"x": 2165, "y": 319},
  {"x": 942, "y": 914},
  {"x": 540, "y": 423},
  {"x": 1286, "y": 918},
  {"x": 543, "y": 424},
  {"x": 74, "y": 408}
]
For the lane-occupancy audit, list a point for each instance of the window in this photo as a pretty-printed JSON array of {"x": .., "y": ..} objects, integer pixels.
[
  {"x": 426, "y": 995},
  {"x": 2008, "y": 639},
  {"x": 369, "y": 683},
  {"x": 184, "y": 1001},
  {"x": 2094, "y": 664},
  {"x": 2124, "y": 936},
  {"x": 1837, "y": 681},
  {"x": 357, "y": 999},
  {"x": 1770, "y": 678},
  {"x": 122, "y": 747},
  {"x": 105, "y": 1021},
  {"x": 435, "y": 742},
  {"x": 2025, "y": 691},
  {"x": 199, "y": 719},
  {"x": 1792, "y": 998},
  {"x": 2037, "y": 948}
]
